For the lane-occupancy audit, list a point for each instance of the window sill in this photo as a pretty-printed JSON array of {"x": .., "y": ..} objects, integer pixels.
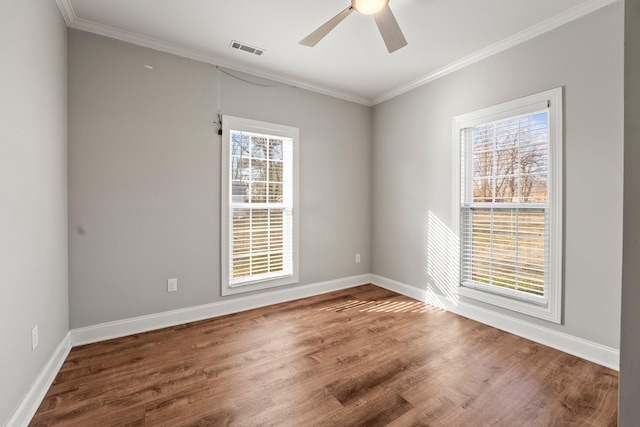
[
  {"x": 549, "y": 312},
  {"x": 228, "y": 289}
]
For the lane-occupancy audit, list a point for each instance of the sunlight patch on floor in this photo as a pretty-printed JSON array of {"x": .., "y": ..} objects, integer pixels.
[{"x": 381, "y": 306}]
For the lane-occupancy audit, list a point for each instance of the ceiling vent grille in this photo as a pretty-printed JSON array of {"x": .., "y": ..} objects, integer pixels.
[{"x": 245, "y": 47}]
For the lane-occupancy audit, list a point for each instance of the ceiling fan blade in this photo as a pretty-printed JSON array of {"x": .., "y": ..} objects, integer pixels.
[
  {"x": 313, "y": 38},
  {"x": 390, "y": 30}
]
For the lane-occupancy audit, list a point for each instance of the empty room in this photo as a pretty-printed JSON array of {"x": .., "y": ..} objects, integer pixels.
[{"x": 320, "y": 213}]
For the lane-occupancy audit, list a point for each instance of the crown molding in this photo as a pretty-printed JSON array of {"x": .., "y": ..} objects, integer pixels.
[
  {"x": 548, "y": 25},
  {"x": 66, "y": 9},
  {"x": 115, "y": 33},
  {"x": 516, "y": 39}
]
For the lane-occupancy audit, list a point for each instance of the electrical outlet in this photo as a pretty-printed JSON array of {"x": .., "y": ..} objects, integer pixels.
[
  {"x": 357, "y": 257},
  {"x": 34, "y": 337},
  {"x": 172, "y": 285}
]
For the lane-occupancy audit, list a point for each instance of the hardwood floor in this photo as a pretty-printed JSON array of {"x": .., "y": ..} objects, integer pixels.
[{"x": 359, "y": 357}]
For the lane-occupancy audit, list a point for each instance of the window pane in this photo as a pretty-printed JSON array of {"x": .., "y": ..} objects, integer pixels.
[
  {"x": 505, "y": 248},
  {"x": 536, "y": 129},
  {"x": 507, "y": 133},
  {"x": 275, "y": 171},
  {"x": 533, "y": 189},
  {"x": 259, "y": 146},
  {"x": 483, "y": 138},
  {"x": 258, "y": 170},
  {"x": 258, "y": 242},
  {"x": 483, "y": 190},
  {"x": 534, "y": 159},
  {"x": 507, "y": 189},
  {"x": 239, "y": 192},
  {"x": 482, "y": 164},
  {"x": 506, "y": 162},
  {"x": 240, "y": 168},
  {"x": 259, "y": 192},
  {"x": 275, "y": 149},
  {"x": 275, "y": 193},
  {"x": 239, "y": 144},
  {"x": 260, "y": 219},
  {"x": 241, "y": 231},
  {"x": 241, "y": 267}
]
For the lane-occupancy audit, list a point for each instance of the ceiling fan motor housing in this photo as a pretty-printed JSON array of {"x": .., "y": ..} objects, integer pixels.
[{"x": 369, "y": 7}]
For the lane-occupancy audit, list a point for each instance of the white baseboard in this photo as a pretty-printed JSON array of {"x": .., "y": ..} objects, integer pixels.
[
  {"x": 32, "y": 400},
  {"x": 588, "y": 350},
  {"x": 166, "y": 319},
  {"x": 594, "y": 352}
]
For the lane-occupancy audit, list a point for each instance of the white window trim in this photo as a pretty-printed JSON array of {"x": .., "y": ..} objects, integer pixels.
[
  {"x": 551, "y": 310},
  {"x": 230, "y": 123}
]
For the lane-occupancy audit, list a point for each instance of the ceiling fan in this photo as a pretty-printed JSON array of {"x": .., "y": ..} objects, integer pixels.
[{"x": 387, "y": 24}]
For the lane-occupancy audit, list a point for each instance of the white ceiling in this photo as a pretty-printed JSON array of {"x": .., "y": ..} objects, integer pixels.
[{"x": 352, "y": 61}]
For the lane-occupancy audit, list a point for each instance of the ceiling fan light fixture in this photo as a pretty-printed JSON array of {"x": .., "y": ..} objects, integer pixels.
[
  {"x": 386, "y": 22},
  {"x": 369, "y": 7}
]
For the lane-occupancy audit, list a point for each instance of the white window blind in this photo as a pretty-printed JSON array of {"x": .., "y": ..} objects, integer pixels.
[
  {"x": 504, "y": 211},
  {"x": 259, "y": 206},
  {"x": 509, "y": 210}
]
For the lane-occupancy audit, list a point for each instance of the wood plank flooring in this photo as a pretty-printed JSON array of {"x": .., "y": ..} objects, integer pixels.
[{"x": 359, "y": 357}]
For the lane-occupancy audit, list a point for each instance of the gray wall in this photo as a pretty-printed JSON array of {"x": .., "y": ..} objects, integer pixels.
[
  {"x": 144, "y": 173},
  {"x": 412, "y": 164},
  {"x": 33, "y": 192},
  {"x": 629, "y": 411}
]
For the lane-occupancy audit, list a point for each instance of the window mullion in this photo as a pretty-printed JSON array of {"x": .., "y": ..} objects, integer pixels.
[
  {"x": 251, "y": 251},
  {"x": 268, "y": 200},
  {"x": 494, "y": 166},
  {"x": 270, "y": 238},
  {"x": 517, "y": 253},
  {"x": 494, "y": 170},
  {"x": 491, "y": 247},
  {"x": 517, "y": 175}
]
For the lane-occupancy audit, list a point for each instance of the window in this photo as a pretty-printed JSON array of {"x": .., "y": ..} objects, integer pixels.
[
  {"x": 508, "y": 172},
  {"x": 259, "y": 205}
]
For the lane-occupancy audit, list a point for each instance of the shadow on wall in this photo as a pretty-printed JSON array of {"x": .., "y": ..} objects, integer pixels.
[{"x": 442, "y": 263}]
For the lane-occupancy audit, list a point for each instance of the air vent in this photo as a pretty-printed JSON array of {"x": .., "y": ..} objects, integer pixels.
[{"x": 245, "y": 47}]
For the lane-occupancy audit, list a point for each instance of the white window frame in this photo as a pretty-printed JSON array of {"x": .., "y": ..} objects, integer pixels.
[
  {"x": 549, "y": 307},
  {"x": 229, "y": 124}
]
